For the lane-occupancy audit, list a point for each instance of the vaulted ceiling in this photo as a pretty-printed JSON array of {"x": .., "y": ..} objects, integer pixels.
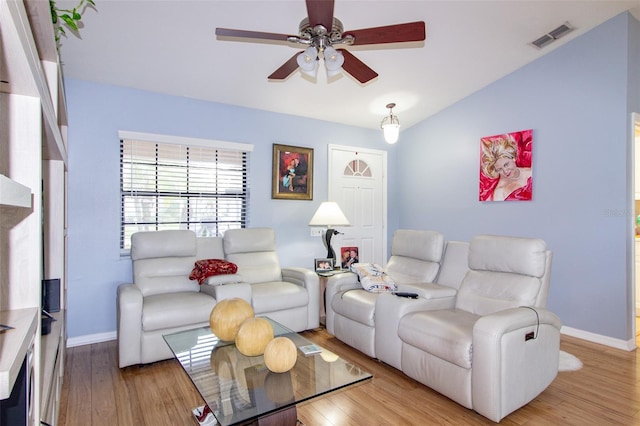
[{"x": 169, "y": 46}]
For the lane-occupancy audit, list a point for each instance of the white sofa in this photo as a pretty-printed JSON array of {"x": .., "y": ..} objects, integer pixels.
[
  {"x": 481, "y": 334},
  {"x": 162, "y": 299}
]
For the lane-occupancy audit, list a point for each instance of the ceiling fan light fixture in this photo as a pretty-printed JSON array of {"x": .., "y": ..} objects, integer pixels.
[
  {"x": 333, "y": 60},
  {"x": 308, "y": 60},
  {"x": 390, "y": 126}
]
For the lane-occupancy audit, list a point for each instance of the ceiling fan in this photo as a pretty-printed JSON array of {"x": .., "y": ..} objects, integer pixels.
[{"x": 320, "y": 31}]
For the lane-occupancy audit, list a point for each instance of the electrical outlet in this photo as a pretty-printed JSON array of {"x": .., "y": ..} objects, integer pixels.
[{"x": 316, "y": 232}]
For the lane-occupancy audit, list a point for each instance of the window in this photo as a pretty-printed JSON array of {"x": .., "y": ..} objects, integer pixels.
[{"x": 183, "y": 184}]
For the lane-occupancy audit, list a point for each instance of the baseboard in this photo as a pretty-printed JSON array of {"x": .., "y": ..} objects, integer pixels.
[
  {"x": 627, "y": 345},
  {"x": 90, "y": 339}
]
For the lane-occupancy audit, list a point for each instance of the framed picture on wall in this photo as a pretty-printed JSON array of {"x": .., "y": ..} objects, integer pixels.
[
  {"x": 292, "y": 173},
  {"x": 506, "y": 167},
  {"x": 348, "y": 256}
]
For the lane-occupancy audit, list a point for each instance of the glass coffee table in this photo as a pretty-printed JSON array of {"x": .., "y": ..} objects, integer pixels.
[{"x": 240, "y": 390}]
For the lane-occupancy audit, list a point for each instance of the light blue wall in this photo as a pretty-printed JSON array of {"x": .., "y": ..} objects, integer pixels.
[
  {"x": 577, "y": 99},
  {"x": 96, "y": 114}
]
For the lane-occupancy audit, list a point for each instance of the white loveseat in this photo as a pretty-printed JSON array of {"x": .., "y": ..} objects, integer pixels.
[
  {"x": 488, "y": 343},
  {"x": 162, "y": 299}
]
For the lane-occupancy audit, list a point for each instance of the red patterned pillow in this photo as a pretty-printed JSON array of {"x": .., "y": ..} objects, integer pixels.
[{"x": 209, "y": 267}]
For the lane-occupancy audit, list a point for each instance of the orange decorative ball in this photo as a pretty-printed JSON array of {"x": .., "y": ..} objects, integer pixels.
[
  {"x": 280, "y": 355},
  {"x": 253, "y": 336},
  {"x": 227, "y": 315}
]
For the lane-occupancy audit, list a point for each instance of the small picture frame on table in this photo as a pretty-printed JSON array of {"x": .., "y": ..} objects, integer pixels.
[
  {"x": 323, "y": 265},
  {"x": 348, "y": 256}
]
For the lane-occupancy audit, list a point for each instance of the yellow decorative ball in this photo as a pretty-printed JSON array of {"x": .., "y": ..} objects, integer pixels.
[
  {"x": 227, "y": 316},
  {"x": 253, "y": 336},
  {"x": 280, "y": 355}
]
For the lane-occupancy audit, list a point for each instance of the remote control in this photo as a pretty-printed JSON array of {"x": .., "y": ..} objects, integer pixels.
[{"x": 406, "y": 294}]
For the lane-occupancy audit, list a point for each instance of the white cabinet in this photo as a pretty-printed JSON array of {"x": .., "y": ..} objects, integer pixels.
[{"x": 33, "y": 156}]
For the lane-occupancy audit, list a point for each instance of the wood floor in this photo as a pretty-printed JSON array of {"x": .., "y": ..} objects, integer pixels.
[{"x": 96, "y": 392}]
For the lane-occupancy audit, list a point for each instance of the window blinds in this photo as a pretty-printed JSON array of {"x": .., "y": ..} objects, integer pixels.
[{"x": 177, "y": 186}]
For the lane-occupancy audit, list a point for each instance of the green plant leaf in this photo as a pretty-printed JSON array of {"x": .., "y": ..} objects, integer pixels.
[
  {"x": 69, "y": 21},
  {"x": 54, "y": 12},
  {"x": 77, "y": 16}
]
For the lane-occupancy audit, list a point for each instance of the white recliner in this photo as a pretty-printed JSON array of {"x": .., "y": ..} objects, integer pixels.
[
  {"x": 290, "y": 296},
  {"x": 351, "y": 311},
  {"x": 439, "y": 295},
  {"x": 162, "y": 299},
  {"x": 497, "y": 348}
]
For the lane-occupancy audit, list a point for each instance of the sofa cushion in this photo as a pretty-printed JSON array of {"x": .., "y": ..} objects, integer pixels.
[
  {"x": 421, "y": 245},
  {"x": 161, "y": 244},
  {"x": 525, "y": 256},
  {"x": 171, "y": 310},
  {"x": 415, "y": 256},
  {"x": 277, "y": 295},
  {"x": 454, "y": 264},
  {"x": 404, "y": 270},
  {"x": 485, "y": 292},
  {"x": 446, "y": 334},
  {"x": 357, "y": 305},
  {"x": 254, "y": 251},
  {"x": 164, "y": 275}
]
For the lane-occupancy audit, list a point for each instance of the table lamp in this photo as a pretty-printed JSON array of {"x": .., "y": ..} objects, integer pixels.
[{"x": 329, "y": 215}]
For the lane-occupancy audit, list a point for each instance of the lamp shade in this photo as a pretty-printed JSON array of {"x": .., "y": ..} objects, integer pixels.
[
  {"x": 391, "y": 126},
  {"x": 329, "y": 214},
  {"x": 333, "y": 60},
  {"x": 391, "y": 132},
  {"x": 308, "y": 61}
]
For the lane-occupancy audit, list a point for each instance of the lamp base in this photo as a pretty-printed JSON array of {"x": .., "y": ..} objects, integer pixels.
[{"x": 327, "y": 239}]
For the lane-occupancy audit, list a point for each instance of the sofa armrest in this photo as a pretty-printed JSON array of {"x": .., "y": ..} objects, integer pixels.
[
  {"x": 308, "y": 279},
  {"x": 129, "y": 318},
  {"x": 228, "y": 291},
  {"x": 299, "y": 276},
  {"x": 431, "y": 291},
  {"x": 224, "y": 279},
  {"x": 515, "y": 357},
  {"x": 337, "y": 284}
]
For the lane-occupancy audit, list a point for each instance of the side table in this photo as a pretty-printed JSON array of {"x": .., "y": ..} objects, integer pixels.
[{"x": 324, "y": 276}]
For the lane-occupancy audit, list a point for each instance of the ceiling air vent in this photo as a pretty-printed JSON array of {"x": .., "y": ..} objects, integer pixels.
[{"x": 552, "y": 35}]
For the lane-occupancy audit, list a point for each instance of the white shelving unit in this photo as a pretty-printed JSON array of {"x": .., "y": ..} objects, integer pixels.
[
  {"x": 13, "y": 194},
  {"x": 33, "y": 158}
]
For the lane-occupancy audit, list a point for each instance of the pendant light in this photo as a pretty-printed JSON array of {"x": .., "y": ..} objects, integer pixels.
[{"x": 390, "y": 126}]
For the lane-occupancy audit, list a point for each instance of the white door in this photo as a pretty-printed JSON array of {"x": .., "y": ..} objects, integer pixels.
[{"x": 358, "y": 183}]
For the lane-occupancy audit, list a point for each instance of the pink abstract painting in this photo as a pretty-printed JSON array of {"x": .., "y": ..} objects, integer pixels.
[{"x": 505, "y": 167}]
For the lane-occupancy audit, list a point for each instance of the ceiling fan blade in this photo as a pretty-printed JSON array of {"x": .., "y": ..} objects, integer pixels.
[
  {"x": 286, "y": 69},
  {"x": 357, "y": 68},
  {"x": 320, "y": 12},
  {"x": 412, "y": 31},
  {"x": 228, "y": 32}
]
